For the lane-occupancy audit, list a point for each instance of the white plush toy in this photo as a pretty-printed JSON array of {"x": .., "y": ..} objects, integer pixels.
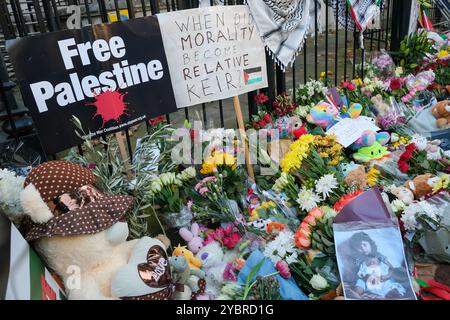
[
  {"x": 214, "y": 263},
  {"x": 81, "y": 234}
]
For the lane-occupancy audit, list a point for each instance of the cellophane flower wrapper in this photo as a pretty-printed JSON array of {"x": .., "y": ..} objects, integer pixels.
[
  {"x": 182, "y": 219},
  {"x": 383, "y": 63},
  {"x": 367, "y": 237},
  {"x": 18, "y": 157},
  {"x": 289, "y": 212},
  {"x": 435, "y": 243}
]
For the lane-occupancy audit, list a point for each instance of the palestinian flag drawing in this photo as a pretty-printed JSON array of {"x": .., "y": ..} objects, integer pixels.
[
  {"x": 253, "y": 75},
  {"x": 23, "y": 276},
  {"x": 424, "y": 21}
]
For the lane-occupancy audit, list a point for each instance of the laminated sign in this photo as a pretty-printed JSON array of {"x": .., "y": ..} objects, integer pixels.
[
  {"x": 213, "y": 53},
  {"x": 110, "y": 76}
]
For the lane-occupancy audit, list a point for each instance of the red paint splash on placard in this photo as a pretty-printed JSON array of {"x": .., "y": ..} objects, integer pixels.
[{"x": 110, "y": 105}]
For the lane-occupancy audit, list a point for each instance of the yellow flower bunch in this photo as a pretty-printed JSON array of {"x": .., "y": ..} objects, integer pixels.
[
  {"x": 372, "y": 176},
  {"x": 216, "y": 159},
  {"x": 442, "y": 54},
  {"x": 403, "y": 140},
  {"x": 358, "y": 81},
  {"x": 442, "y": 183},
  {"x": 264, "y": 205},
  {"x": 299, "y": 149},
  {"x": 329, "y": 149}
]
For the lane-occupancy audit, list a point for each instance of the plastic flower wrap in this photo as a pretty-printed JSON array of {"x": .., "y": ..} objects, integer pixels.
[
  {"x": 10, "y": 187},
  {"x": 383, "y": 63},
  {"x": 310, "y": 93},
  {"x": 425, "y": 216}
]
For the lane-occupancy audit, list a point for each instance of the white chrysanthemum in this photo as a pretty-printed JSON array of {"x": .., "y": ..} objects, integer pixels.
[
  {"x": 10, "y": 187},
  {"x": 326, "y": 184},
  {"x": 307, "y": 199},
  {"x": 398, "y": 205},
  {"x": 409, "y": 218},
  {"x": 282, "y": 245},
  {"x": 271, "y": 252}
]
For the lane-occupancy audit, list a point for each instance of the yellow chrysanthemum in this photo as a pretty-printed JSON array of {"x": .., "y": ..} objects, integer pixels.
[
  {"x": 298, "y": 151},
  {"x": 208, "y": 167},
  {"x": 442, "y": 53},
  {"x": 441, "y": 183},
  {"x": 372, "y": 176}
]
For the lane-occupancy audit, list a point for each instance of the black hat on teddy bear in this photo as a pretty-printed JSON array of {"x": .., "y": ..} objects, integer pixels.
[{"x": 61, "y": 199}]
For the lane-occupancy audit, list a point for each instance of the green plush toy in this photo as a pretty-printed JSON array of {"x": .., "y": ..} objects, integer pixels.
[{"x": 373, "y": 152}]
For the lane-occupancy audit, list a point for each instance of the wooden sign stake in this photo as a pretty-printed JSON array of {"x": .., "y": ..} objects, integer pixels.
[
  {"x": 240, "y": 120},
  {"x": 124, "y": 154}
]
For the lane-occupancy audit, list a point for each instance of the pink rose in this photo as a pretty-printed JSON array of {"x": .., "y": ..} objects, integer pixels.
[{"x": 283, "y": 269}]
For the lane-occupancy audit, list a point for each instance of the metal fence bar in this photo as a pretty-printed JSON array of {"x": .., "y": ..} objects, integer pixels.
[
  {"x": 345, "y": 45},
  {"x": 326, "y": 38},
  {"x": 315, "y": 40},
  {"x": 336, "y": 46}
]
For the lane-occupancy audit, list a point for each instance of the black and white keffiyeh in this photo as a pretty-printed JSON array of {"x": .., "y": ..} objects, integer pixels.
[
  {"x": 359, "y": 13},
  {"x": 283, "y": 25}
]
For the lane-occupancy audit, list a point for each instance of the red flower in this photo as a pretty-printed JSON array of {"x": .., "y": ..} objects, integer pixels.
[
  {"x": 262, "y": 123},
  {"x": 346, "y": 199},
  {"x": 231, "y": 241},
  {"x": 261, "y": 98},
  {"x": 403, "y": 166},
  {"x": 395, "y": 84},
  {"x": 433, "y": 66},
  {"x": 344, "y": 84},
  {"x": 411, "y": 147},
  {"x": 351, "y": 86},
  {"x": 267, "y": 118}
]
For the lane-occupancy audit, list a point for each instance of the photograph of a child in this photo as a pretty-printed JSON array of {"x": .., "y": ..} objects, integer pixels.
[{"x": 372, "y": 264}]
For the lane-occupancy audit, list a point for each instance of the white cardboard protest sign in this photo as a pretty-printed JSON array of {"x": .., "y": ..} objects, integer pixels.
[
  {"x": 349, "y": 130},
  {"x": 213, "y": 53}
]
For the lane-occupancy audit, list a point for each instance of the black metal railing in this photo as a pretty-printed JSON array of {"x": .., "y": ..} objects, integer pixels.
[{"x": 333, "y": 48}]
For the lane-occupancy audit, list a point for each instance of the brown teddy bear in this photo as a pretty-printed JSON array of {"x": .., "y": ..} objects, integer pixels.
[
  {"x": 420, "y": 185},
  {"x": 441, "y": 111},
  {"x": 358, "y": 176}
]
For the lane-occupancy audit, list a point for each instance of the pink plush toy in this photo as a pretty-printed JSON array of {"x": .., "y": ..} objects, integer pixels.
[{"x": 195, "y": 243}]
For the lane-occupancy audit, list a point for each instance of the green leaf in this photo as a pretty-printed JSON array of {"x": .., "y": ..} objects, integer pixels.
[{"x": 250, "y": 277}]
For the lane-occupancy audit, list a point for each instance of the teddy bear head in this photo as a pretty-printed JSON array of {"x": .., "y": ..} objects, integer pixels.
[
  {"x": 441, "y": 111},
  {"x": 404, "y": 194},
  {"x": 420, "y": 185},
  {"x": 68, "y": 217},
  {"x": 211, "y": 255},
  {"x": 357, "y": 176}
]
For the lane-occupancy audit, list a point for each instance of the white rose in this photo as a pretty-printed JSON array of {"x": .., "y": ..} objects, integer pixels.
[
  {"x": 398, "y": 205},
  {"x": 318, "y": 282},
  {"x": 156, "y": 186}
]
